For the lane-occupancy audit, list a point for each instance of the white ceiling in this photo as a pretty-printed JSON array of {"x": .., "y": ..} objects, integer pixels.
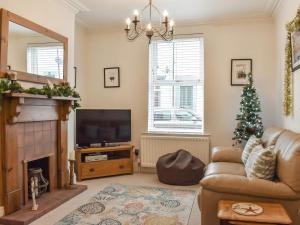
[{"x": 111, "y": 13}]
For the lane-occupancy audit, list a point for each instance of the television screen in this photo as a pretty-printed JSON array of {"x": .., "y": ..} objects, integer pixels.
[{"x": 102, "y": 126}]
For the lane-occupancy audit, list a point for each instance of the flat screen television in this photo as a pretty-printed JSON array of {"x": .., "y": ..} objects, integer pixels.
[{"x": 94, "y": 126}]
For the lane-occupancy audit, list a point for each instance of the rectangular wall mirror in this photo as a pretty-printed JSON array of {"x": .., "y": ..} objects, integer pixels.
[{"x": 34, "y": 52}]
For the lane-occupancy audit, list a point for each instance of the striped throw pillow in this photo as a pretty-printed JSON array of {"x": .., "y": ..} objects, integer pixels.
[
  {"x": 251, "y": 143},
  {"x": 261, "y": 163}
]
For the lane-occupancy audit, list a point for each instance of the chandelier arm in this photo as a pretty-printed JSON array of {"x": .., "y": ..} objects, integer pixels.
[
  {"x": 134, "y": 35},
  {"x": 166, "y": 36}
]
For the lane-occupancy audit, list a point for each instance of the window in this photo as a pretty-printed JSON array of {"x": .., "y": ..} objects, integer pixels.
[
  {"x": 176, "y": 85},
  {"x": 45, "y": 59}
]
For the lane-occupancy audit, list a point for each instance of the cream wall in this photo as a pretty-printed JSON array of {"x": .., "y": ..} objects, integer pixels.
[
  {"x": 285, "y": 13},
  {"x": 56, "y": 16},
  {"x": 248, "y": 39}
]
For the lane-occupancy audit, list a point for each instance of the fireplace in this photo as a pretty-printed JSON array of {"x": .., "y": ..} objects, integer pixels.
[
  {"x": 33, "y": 133},
  {"x": 38, "y": 170}
]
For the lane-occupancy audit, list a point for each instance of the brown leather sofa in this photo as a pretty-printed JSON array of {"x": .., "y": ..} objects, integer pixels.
[{"x": 225, "y": 178}]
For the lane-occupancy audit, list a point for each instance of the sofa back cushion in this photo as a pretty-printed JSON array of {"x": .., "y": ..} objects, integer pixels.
[
  {"x": 270, "y": 136},
  {"x": 288, "y": 159}
]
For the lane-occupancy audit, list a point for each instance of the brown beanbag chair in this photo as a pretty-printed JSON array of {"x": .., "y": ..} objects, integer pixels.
[{"x": 180, "y": 168}]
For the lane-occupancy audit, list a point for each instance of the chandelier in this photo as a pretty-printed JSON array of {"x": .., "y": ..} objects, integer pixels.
[{"x": 137, "y": 25}]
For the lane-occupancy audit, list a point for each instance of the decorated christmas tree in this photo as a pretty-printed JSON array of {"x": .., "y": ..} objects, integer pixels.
[{"x": 249, "y": 121}]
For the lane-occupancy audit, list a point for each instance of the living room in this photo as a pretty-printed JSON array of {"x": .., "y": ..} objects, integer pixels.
[{"x": 134, "y": 82}]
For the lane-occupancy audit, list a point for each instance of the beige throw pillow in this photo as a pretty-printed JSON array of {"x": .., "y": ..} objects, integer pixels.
[
  {"x": 261, "y": 163},
  {"x": 251, "y": 143}
]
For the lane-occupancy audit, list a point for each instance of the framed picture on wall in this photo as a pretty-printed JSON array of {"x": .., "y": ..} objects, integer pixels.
[
  {"x": 239, "y": 70},
  {"x": 296, "y": 50},
  {"x": 112, "y": 77}
]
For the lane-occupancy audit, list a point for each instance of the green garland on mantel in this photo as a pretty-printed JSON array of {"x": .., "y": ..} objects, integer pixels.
[
  {"x": 288, "y": 99},
  {"x": 62, "y": 90}
]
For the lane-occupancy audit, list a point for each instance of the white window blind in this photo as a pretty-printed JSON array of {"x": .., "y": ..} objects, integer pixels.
[
  {"x": 45, "y": 59},
  {"x": 176, "y": 85}
]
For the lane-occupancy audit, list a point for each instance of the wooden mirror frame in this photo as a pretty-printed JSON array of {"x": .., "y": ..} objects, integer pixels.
[{"x": 5, "y": 18}]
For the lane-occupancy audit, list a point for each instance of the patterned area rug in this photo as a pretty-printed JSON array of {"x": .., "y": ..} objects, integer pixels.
[{"x": 134, "y": 205}]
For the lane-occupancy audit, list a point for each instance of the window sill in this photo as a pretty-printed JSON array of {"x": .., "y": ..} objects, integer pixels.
[{"x": 184, "y": 134}]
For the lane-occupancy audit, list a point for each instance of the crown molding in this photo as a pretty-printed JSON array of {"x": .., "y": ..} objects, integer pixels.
[
  {"x": 76, "y": 6},
  {"x": 271, "y": 6}
]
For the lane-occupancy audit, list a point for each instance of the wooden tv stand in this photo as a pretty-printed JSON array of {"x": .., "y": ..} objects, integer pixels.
[{"x": 119, "y": 161}]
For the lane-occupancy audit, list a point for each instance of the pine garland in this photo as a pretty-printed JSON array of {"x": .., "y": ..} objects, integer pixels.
[
  {"x": 62, "y": 89},
  {"x": 288, "y": 98},
  {"x": 250, "y": 123}
]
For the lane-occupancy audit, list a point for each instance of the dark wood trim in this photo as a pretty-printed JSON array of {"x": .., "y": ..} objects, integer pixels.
[
  {"x": 5, "y": 17},
  {"x": 251, "y": 70},
  {"x": 4, "y": 39}
]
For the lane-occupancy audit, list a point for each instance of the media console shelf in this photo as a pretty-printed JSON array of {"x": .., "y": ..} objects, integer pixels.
[{"x": 119, "y": 161}]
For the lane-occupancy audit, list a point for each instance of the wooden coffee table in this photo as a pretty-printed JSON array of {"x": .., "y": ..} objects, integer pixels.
[{"x": 274, "y": 214}]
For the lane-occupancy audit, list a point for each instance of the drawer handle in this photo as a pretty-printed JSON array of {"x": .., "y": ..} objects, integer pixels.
[
  {"x": 121, "y": 167},
  {"x": 92, "y": 170}
]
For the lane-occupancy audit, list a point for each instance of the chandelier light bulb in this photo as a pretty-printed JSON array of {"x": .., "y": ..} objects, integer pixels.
[
  {"x": 128, "y": 21},
  {"x": 149, "y": 26},
  {"x": 136, "y": 13},
  {"x": 166, "y": 14},
  {"x": 172, "y": 23}
]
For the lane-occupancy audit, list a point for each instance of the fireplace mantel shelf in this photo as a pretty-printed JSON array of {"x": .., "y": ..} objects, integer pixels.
[
  {"x": 25, "y": 95},
  {"x": 22, "y": 107}
]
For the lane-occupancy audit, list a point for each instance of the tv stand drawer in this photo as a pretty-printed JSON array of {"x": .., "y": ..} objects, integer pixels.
[{"x": 106, "y": 168}]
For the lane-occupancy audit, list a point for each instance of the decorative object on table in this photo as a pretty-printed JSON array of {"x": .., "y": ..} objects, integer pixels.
[
  {"x": 63, "y": 89},
  {"x": 249, "y": 120},
  {"x": 125, "y": 204},
  {"x": 40, "y": 182},
  {"x": 139, "y": 25},
  {"x": 179, "y": 168},
  {"x": 247, "y": 209},
  {"x": 33, "y": 188},
  {"x": 72, "y": 166},
  {"x": 292, "y": 62},
  {"x": 239, "y": 70},
  {"x": 112, "y": 77},
  {"x": 270, "y": 213}
]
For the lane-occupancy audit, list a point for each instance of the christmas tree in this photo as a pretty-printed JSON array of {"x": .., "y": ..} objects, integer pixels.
[{"x": 249, "y": 121}]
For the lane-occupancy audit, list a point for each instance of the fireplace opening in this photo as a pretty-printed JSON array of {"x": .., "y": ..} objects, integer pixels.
[{"x": 38, "y": 173}]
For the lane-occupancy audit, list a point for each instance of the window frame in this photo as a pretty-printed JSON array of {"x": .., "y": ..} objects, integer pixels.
[{"x": 171, "y": 130}]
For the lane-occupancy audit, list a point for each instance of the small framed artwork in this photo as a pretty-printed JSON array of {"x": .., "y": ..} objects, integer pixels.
[
  {"x": 240, "y": 68},
  {"x": 296, "y": 50},
  {"x": 112, "y": 77}
]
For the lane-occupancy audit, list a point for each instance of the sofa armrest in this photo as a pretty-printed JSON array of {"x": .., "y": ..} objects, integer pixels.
[
  {"x": 226, "y": 154},
  {"x": 234, "y": 184}
]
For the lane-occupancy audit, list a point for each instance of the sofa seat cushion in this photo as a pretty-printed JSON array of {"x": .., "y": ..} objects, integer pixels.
[
  {"x": 234, "y": 184},
  {"x": 225, "y": 168}
]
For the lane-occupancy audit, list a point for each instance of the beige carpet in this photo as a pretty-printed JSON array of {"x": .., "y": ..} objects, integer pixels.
[{"x": 96, "y": 184}]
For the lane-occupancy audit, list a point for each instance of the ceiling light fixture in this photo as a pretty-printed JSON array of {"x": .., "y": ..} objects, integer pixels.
[{"x": 137, "y": 26}]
